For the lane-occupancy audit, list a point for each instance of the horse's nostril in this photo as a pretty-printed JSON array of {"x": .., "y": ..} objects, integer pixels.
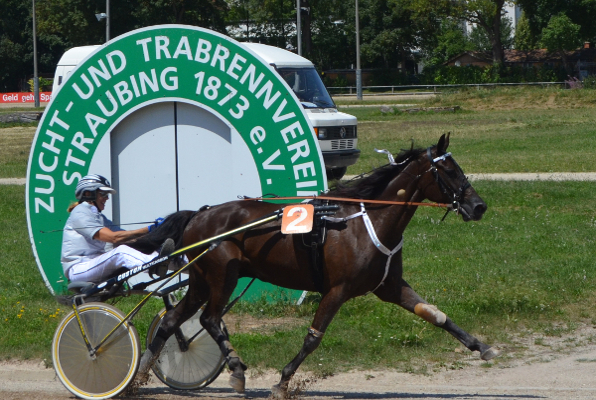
[{"x": 480, "y": 209}]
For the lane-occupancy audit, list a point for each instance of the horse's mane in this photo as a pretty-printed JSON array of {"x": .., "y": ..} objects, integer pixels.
[{"x": 371, "y": 186}]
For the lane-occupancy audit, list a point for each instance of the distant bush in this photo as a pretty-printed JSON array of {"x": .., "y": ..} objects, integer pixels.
[
  {"x": 589, "y": 82},
  {"x": 471, "y": 74}
]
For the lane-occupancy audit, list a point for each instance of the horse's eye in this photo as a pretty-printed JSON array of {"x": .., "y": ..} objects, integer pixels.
[{"x": 452, "y": 173}]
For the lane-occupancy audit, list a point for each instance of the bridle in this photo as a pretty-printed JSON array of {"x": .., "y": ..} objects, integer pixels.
[{"x": 455, "y": 195}]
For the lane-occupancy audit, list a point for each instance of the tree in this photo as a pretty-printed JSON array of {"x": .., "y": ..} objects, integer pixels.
[
  {"x": 580, "y": 12},
  {"x": 481, "y": 42},
  {"x": 524, "y": 39},
  {"x": 450, "y": 41},
  {"x": 561, "y": 35},
  {"x": 486, "y": 14}
]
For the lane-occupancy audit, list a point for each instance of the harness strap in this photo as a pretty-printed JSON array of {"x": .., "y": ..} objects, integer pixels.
[{"x": 373, "y": 237}]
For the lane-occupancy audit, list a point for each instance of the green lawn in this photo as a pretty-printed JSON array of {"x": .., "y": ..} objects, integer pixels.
[{"x": 526, "y": 267}]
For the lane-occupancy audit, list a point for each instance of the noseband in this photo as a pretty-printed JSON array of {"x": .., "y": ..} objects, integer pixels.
[{"x": 456, "y": 195}]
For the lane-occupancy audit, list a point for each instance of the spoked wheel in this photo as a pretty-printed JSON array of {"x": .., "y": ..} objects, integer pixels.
[
  {"x": 191, "y": 365},
  {"x": 114, "y": 365}
]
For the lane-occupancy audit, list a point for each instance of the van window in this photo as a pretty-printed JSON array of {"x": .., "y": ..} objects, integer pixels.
[{"x": 308, "y": 86}]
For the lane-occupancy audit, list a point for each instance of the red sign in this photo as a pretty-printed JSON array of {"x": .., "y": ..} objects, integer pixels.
[
  {"x": 15, "y": 98},
  {"x": 297, "y": 219}
]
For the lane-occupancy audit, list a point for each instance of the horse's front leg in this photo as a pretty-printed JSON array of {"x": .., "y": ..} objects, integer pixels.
[
  {"x": 407, "y": 298},
  {"x": 221, "y": 288},
  {"x": 328, "y": 307},
  {"x": 172, "y": 321}
]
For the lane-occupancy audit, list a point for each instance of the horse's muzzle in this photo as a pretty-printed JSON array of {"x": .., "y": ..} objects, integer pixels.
[{"x": 473, "y": 210}]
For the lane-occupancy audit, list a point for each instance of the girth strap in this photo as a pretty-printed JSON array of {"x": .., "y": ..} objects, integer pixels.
[{"x": 373, "y": 237}]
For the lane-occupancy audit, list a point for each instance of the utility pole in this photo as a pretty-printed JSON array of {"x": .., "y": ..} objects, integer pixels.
[
  {"x": 298, "y": 27},
  {"x": 358, "y": 70},
  {"x": 105, "y": 16},
  {"x": 35, "y": 77},
  {"x": 107, "y": 21}
]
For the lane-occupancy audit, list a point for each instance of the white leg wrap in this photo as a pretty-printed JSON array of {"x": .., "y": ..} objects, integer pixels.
[{"x": 430, "y": 313}]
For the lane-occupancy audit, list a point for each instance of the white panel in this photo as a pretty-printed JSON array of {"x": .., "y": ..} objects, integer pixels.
[
  {"x": 100, "y": 164},
  {"x": 144, "y": 165},
  {"x": 214, "y": 162}
]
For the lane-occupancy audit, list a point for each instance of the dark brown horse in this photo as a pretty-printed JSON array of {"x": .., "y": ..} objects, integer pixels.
[{"x": 362, "y": 254}]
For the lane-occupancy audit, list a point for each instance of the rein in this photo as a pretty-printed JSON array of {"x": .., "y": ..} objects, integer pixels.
[{"x": 347, "y": 200}]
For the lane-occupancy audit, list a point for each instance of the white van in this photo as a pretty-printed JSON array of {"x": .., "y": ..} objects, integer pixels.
[
  {"x": 69, "y": 60},
  {"x": 336, "y": 131}
]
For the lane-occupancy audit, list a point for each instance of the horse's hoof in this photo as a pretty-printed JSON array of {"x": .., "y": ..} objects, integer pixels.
[
  {"x": 141, "y": 379},
  {"x": 489, "y": 354},
  {"x": 145, "y": 364},
  {"x": 237, "y": 382},
  {"x": 277, "y": 392}
]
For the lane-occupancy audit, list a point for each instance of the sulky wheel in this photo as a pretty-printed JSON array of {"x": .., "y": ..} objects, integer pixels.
[
  {"x": 187, "y": 366},
  {"x": 115, "y": 363}
]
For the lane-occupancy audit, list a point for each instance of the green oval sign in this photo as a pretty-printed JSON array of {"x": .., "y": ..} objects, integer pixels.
[{"x": 161, "y": 64}]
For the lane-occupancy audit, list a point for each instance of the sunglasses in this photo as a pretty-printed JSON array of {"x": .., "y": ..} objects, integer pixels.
[{"x": 105, "y": 195}]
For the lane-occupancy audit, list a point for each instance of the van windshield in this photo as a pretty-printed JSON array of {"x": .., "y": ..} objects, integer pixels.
[{"x": 308, "y": 86}]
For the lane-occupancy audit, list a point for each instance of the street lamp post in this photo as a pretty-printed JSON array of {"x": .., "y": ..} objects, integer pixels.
[
  {"x": 105, "y": 16},
  {"x": 358, "y": 70},
  {"x": 35, "y": 77},
  {"x": 107, "y": 21},
  {"x": 298, "y": 27}
]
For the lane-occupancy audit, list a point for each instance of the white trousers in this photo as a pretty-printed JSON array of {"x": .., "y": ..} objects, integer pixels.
[{"x": 102, "y": 268}]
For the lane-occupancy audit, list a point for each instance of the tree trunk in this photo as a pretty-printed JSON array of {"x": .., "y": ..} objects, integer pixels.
[{"x": 495, "y": 35}]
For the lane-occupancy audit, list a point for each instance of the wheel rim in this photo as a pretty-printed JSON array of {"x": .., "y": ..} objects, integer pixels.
[
  {"x": 194, "y": 368},
  {"x": 115, "y": 362}
]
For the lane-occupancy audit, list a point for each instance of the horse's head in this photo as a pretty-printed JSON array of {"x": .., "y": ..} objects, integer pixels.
[{"x": 445, "y": 182}]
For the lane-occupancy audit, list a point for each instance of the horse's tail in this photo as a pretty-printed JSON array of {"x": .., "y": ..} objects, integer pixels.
[{"x": 172, "y": 227}]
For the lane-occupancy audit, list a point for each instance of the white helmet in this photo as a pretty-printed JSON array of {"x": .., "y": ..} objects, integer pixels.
[{"x": 92, "y": 183}]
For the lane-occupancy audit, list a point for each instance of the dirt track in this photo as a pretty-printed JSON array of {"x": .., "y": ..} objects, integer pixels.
[{"x": 556, "y": 368}]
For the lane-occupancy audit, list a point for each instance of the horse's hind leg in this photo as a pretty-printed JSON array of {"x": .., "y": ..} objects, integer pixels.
[
  {"x": 407, "y": 298},
  {"x": 327, "y": 309}
]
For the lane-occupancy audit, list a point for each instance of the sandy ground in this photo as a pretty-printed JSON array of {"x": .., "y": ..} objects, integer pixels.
[{"x": 549, "y": 368}]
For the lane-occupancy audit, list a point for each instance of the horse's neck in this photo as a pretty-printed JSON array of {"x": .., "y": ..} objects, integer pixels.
[{"x": 390, "y": 222}]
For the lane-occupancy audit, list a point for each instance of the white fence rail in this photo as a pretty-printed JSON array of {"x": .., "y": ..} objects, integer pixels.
[{"x": 414, "y": 89}]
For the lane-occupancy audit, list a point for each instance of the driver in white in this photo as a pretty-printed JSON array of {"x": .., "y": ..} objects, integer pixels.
[{"x": 87, "y": 253}]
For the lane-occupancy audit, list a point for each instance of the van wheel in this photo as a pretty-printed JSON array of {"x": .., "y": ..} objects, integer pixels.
[{"x": 336, "y": 173}]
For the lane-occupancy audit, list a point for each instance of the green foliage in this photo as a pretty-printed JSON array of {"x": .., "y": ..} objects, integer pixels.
[
  {"x": 44, "y": 84},
  {"x": 524, "y": 38},
  {"x": 561, "y": 34},
  {"x": 450, "y": 42},
  {"x": 471, "y": 74},
  {"x": 580, "y": 12},
  {"x": 480, "y": 40},
  {"x": 590, "y": 82}
]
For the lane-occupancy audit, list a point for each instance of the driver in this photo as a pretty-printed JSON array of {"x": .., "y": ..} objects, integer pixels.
[{"x": 87, "y": 251}]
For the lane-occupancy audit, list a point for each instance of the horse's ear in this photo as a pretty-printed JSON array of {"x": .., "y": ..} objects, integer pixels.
[{"x": 443, "y": 143}]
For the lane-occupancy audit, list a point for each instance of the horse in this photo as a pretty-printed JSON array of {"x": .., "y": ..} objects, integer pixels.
[{"x": 361, "y": 254}]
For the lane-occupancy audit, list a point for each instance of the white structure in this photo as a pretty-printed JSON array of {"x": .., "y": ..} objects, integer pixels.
[
  {"x": 336, "y": 131},
  {"x": 69, "y": 60}
]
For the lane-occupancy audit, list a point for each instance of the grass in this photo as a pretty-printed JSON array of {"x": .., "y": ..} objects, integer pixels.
[
  {"x": 527, "y": 266},
  {"x": 514, "y": 130},
  {"x": 15, "y": 144}
]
